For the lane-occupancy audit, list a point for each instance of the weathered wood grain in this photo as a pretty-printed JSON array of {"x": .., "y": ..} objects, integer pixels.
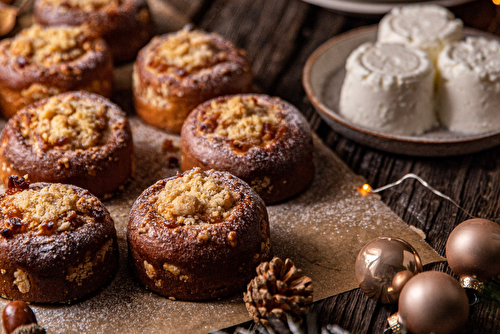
[
  {"x": 190, "y": 8},
  {"x": 319, "y": 27},
  {"x": 268, "y": 30}
]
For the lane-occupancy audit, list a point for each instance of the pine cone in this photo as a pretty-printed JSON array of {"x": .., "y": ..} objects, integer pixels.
[
  {"x": 29, "y": 329},
  {"x": 278, "y": 289}
]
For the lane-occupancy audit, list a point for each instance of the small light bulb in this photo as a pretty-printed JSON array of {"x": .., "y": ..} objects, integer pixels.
[{"x": 365, "y": 189}]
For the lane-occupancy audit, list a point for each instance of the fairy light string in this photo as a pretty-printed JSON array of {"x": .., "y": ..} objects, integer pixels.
[{"x": 366, "y": 188}]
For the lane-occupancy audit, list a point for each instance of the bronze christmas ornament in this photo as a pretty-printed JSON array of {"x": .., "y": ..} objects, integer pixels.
[
  {"x": 399, "y": 280},
  {"x": 431, "y": 302},
  {"x": 473, "y": 251},
  {"x": 384, "y": 265}
]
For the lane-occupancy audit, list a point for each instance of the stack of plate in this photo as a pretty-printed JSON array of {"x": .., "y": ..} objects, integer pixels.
[{"x": 376, "y": 7}]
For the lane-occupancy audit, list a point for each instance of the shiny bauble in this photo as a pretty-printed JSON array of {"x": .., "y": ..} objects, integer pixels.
[
  {"x": 473, "y": 251},
  {"x": 400, "y": 279},
  {"x": 433, "y": 302},
  {"x": 378, "y": 264}
]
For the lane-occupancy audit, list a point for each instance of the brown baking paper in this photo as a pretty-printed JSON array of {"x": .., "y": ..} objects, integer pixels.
[{"x": 322, "y": 231}]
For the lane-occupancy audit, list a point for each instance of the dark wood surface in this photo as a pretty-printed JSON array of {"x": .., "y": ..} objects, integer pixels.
[{"x": 279, "y": 36}]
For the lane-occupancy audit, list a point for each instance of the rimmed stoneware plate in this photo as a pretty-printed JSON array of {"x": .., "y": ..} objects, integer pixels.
[
  {"x": 375, "y": 7},
  {"x": 322, "y": 79}
]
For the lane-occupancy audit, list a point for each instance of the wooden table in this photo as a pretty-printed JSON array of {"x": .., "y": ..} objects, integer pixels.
[{"x": 279, "y": 36}]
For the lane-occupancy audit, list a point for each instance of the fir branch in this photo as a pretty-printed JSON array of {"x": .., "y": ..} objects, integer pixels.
[{"x": 490, "y": 294}]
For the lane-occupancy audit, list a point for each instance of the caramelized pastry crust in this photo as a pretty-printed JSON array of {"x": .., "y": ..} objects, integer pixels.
[
  {"x": 76, "y": 137},
  {"x": 263, "y": 140},
  {"x": 198, "y": 235},
  {"x": 126, "y": 25},
  {"x": 42, "y": 62},
  {"x": 176, "y": 72},
  {"x": 57, "y": 242}
]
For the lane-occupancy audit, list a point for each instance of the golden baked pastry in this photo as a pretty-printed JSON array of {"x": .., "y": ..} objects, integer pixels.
[
  {"x": 198, "y": 235},
  {"x": 79, "y": 138},
  {"x": 176, "y": 72},
  {"x": 41, "y": 62},
  {"x": 263, "y": 140},
  {"x": 126, "y": 25},
  {"x": 57, "y": 242}
]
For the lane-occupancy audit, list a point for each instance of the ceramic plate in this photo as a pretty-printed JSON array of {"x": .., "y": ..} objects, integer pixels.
[
  {"x": 322, "y": 79},
  {"x": 375, "y": 7}
]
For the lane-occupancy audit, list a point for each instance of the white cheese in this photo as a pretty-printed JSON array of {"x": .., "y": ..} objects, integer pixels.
[
  {"x": 389, "y": 88},
  {"x": 427, "y": 27},
  {"x": 468, "y": 95}
]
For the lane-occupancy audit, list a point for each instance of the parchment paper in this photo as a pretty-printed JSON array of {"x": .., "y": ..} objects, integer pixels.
[{"x": 321, "y": 230}]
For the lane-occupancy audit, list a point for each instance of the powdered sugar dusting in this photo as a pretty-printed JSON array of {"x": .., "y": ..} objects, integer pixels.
[{"x": 321, "y": 230}]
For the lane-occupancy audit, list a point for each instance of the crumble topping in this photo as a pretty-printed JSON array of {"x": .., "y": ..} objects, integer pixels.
[
  {"x": 185, "y": 52},
  {"x": 38, "y": 91},
  {"x": 67, "y": 122},
  {"x": 85, "y": 269},
  {"x": 195, "y": 198},
  {"x": 243, "y": 120},
  {"x": 49, "y": 46},
  {"x": 150, "y": 270},
  {"x": 50, "y": 210},
  {"x": 81, "y": 272},
  {"x": 22, "y": 281},
  {"x": 171, "y": 268},
  {"x": 260, "y": 184},
  {"x": 84, "y": 5}
]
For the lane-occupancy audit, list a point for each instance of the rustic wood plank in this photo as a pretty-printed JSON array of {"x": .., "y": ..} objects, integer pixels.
[
  {"x": 268, "y": 31},
  {"x": 190, "y": 8},
  {"x": 320, "y": 26},
  {"x": 477, "y": 14}
]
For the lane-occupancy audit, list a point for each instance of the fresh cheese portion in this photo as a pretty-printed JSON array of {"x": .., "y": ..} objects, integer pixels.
[
  {"x": 389, "y": 88},
  {"x": 468, "y": 93},
  {"x": 427, "y": 27}
]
